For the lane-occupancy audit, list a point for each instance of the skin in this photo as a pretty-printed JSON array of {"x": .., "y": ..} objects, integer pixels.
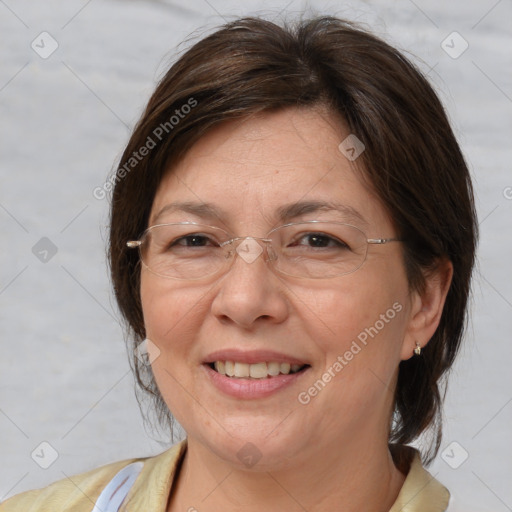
[{"x": 333, "y": 451}]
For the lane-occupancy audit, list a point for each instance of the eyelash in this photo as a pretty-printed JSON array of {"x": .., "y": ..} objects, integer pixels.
[{"x": 184, "y": 241}]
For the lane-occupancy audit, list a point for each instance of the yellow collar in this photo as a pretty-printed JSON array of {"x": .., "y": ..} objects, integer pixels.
[{"x": 420, "y": 491}]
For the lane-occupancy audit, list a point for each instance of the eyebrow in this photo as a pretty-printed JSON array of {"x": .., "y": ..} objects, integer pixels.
[
  {"x": 203, "y": 210},
  {"x": 285, "y": 213},
  {"x": 294, "y": 210}
]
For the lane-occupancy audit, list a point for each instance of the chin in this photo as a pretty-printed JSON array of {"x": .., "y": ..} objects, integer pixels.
[{"x": 254, "y": 443}]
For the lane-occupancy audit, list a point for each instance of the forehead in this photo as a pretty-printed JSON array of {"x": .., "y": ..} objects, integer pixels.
[{"x": 257, "y": 168}]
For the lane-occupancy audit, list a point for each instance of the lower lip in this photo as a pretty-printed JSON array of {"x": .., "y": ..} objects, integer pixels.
[{"x": 251, "y": 388}]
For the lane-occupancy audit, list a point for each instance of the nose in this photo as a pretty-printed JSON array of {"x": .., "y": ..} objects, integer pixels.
[{"x": 250, "y": 294}]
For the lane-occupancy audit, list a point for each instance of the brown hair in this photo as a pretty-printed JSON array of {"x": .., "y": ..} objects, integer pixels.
[{"x": 412, "y": 161}]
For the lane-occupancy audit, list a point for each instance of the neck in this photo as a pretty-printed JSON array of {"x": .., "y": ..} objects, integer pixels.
[{"x": 351, "y": 479}]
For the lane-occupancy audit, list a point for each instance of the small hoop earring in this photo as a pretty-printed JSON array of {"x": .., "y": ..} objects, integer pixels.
[{"x": 417, "y": 350}]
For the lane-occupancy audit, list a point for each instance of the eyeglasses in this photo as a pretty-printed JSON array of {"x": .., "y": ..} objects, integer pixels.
[{"x": 312, "y": 249}]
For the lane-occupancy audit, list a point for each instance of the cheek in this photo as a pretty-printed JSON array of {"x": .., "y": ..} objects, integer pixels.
[
  {"x": 363, "y": 321},
  {"x": 358, "y": 332},
  {"x": 173, "y": 316},
  {"x": 169, "y": 311}
]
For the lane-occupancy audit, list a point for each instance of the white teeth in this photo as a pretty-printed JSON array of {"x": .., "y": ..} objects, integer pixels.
[
  {"x": 241, "y": 370},
  {"x": 256, "y": 370},
  {"x": 273, "y": 369},
  {"x": 220, "y": 367},
  {"x": 230, "y": 368}
]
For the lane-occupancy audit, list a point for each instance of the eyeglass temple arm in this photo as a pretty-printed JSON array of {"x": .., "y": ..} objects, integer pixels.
[{"x": 382, "y": 240}]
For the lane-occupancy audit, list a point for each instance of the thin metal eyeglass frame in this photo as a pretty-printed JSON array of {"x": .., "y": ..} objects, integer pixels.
[{"x": 136, "y": 244}]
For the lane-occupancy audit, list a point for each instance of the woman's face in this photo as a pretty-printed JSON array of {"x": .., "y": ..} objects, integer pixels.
[{"x": 350, "y": 331}]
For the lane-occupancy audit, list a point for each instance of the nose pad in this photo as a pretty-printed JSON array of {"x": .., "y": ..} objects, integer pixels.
[{"x": 271, "y": 253}]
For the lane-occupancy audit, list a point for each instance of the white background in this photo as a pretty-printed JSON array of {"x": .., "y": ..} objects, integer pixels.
[{"x": 64, "y": 374}]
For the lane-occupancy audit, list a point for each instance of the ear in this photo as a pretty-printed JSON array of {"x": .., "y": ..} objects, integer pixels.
[{"x": 427, "y": 308}]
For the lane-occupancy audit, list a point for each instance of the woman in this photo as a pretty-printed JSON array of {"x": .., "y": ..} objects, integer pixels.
[{"x": 292, "y": 240}]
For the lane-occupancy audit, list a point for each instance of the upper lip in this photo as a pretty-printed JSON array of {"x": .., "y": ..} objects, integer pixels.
[{"x": 251, "y": 356}]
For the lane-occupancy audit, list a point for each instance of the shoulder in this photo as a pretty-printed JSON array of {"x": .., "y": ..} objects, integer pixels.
[
  {"x": 80, "y": 492},
  {"x": 77, "y": 493}
]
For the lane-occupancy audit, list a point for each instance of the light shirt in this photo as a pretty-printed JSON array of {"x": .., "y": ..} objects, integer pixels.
[{"x": 421, "y": 492}]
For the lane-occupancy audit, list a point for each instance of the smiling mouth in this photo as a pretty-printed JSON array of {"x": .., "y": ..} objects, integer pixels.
[{"x": 263, "y": 370}]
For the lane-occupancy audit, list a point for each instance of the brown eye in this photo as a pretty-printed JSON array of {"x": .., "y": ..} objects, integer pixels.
[
  {"x": 193, "y": 241},
  {"x": 320, "y": 240}
]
